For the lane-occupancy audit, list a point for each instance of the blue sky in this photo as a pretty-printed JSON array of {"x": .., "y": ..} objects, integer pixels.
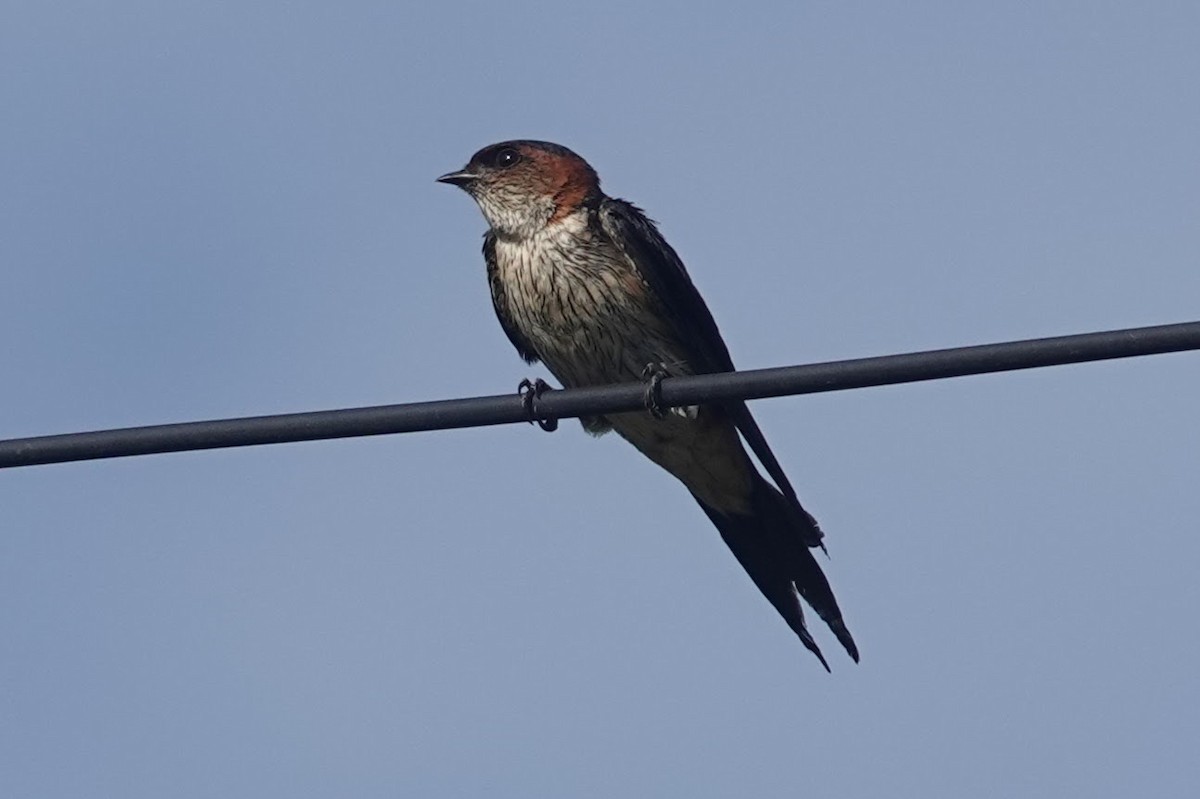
[{"x": 214, "y": 210}]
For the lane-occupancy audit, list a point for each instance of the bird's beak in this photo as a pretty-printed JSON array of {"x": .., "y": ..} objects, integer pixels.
[{"x": 462, "y": 178}]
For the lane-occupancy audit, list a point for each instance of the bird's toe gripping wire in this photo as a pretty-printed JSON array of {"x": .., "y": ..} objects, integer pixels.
[
  {"x": 654, "y": 374},
  {"x": 530, "y": 391}
]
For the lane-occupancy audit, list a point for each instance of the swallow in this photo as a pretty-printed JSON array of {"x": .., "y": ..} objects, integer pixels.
[{"x": 586, "y": 284}]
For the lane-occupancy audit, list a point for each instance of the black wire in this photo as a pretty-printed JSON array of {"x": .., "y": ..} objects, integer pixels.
[{"x": 674, "y": 391}]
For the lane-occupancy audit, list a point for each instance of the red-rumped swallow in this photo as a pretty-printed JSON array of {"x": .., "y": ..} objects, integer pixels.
[{"x": 586, "y": 284}]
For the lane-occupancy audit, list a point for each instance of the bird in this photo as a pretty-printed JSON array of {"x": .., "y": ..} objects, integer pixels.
[{"x": 586, "y": 284}]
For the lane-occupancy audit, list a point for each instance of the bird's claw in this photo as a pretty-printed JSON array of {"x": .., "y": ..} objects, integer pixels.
[
  {"x": 530, "y": 391},
  {"x": 654, "y": 374}
]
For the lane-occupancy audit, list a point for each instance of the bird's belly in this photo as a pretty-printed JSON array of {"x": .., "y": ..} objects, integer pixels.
[
  {"x": 596, "y": 357},
  {"x": 605, "y": 345}
]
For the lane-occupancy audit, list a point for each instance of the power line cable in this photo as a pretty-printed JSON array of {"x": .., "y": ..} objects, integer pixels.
[{"x": 599, "y": 400}]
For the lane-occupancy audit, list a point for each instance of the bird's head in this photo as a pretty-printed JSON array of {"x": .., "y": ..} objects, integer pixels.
[{"x": 523, "y": 186}]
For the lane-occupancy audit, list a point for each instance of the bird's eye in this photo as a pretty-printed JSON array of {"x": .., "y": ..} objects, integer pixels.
[{"x": 506, "y": 158}]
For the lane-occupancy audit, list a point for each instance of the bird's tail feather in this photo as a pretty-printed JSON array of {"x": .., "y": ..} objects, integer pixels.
[{"x": 771, "y": 546}]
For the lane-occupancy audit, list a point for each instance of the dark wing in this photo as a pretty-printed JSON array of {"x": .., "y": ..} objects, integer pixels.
[
  {"x": 500, "y": 303},
  {"x": 663, "y": 271}
]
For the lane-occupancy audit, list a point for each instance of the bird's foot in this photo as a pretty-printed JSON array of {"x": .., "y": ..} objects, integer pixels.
[
  {"x": 530, "y": 391},
  {"x": 654, "y": 374}
]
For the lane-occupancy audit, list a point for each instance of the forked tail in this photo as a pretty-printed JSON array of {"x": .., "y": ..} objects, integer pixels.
[{"x": 769, "y": 542}]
